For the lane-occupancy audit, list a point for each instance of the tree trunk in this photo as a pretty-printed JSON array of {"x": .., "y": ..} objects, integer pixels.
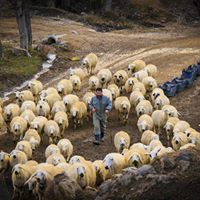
[
  {"x": 28, "y": 26},
  {"x": 108, "y": 5},
  {"x": 1, "y": 50}
]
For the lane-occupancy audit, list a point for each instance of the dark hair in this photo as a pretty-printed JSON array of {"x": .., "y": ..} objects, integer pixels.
[{"x": 99, "y": 89}]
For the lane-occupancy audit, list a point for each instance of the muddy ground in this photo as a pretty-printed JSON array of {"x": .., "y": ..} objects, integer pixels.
[{"x": 171, "y": 48}]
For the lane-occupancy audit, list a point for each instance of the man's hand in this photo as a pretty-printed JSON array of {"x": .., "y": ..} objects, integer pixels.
[
  {"x": 93, "y": 110},
  {"x": 106, "y": 111}
]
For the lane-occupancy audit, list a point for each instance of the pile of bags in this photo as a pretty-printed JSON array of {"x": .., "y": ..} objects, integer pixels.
[{"x": 186, "y": 80}]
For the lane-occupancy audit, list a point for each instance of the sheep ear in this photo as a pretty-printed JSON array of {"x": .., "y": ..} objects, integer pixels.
[{"x": 179, "y": 113}]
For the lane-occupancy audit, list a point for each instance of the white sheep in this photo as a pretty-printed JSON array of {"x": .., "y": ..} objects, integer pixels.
[
  {"x": 135, "y": 66},
  {"x": 18, "y": 126},
  {"x": 28, "y": 115},
  {"x": 1, "y": 120},
  {"x": 64, "y": 87},
  {"x": 33, "y": 138},
  {"x": 61, "y": 119},
  {"x": 93, "y": 83},
  {"x": 35, "y": 87},
  {"x": 107, "y": 93},
  {"x": 145, "y": 122},
  {"x": 66, "y": 148},
  {"x": 51, "y": 99},
  {"x": 76, "y": 158},
  {"x": 161, "y": 101},
  {"x": 30, "y": 105},
  {"x": 55, "y": 159},
  {"x": 78, "y": 113},
  {"x": 17, "y": 157},
  {"x": 4, "y": 161},
  {"x": 149, "y": 83},
  {"x": 24, "y": 95},
  {"x": 179, "y": 139},
  {"x": 58, "y": 106},
  {"x": 89, "y": 62},
  {"x": 181, "y": 126},
  {"x": 140, "y": 75},
  {"x": 76, "y": 82},
  {"x": 121, "y": 141},
  {"x": 123, "y": 106},
  {"x": 51, "y": 149},
  {"x": 87, "y": 99},
  {"x": 77, "y": 71},
  {"x": 156, "y": 143},
  {"x": 43, "y": 109},
  {"x": 159, "y": 119},
  {"x": 69, "y": 100},
  {"x": 114, "y": 163},
  {"x": 104, "y": 76},
  {"x": 188, "y": 145},
  {"x": 144, "y": 107},
  {"x": 151, "y": 70},
  {"x": 155, "y": 93},
  {"x": 130, "y": 83},
  {"x": 139, "y": 87},
  {"x": 114, "y": 90},
  {"x": 140, "y": 146},
  {"x": 148, "y": 136},
  {"x": 171, "y": 111},
  {"x": 136, "y": 97},
  {"x": 120, "y": 77},
  {"x": 25, "y": 146},
  {"x": 10, "y": 111},
  {"x": 49, "y": 90},
  {"x": 194, "y": 137},
  {"x": 52, "y": 130}
]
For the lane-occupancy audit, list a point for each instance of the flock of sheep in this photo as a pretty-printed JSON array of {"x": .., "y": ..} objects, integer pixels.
[{"x": 39, "y": 113}]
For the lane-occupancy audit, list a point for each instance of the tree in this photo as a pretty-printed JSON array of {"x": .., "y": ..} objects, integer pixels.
[
  {"x": 107, "y": 5},
  {"x": 23, "y": 18}
]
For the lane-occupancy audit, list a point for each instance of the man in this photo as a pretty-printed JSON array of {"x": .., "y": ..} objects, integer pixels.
[{"x": 100, "y": 106}]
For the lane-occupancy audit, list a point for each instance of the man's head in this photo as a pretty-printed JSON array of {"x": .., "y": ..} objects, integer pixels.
[{"x": 99, "y": 92}]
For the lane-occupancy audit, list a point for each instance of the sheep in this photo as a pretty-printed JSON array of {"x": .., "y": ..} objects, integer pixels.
[
  {"x": 38, "y": 124},
  {"x": 194, "y": 137},
  {"x": 52, "y": 130},
  {"x": 65, "y": 166},
  {"x": 66, "y": 148},
  {"x": 149, "y": 83},
  {"x": 20, "y": 174},
  {"x": 4, "y": 161},
  {"x": 135, "y": 66},
  {"x": 159, "y": 119},
  {"x": 17, "y": 157},
  {"x": 188, "y": 145},
  {"x": 136, "y": 157},
  {"x": 114, "y": 163},
  {"x": 61, "y": 119},
  {"x": 28, "y": 115},
  {"x": 114, "y": 90},
  {"x": 76, "y": 82},
  {"x": 64, "y": 87},
  {"x": 104, "y": 76},
  {"x": 84, "y": 174},
  {"x": 140, "y": 146},
  {"x": 76, "y": 158},
  {"x": 69, "y": 100},
  {"x": 121, "y": 141},
  {"x": 51, "y": 149},
  {"x": 55, "y": 159},
  {"x": 58, "y": 106},
  {"x": 30, "y": 105},
  {"x": 107, "y": 93},
  {"x": 161, "y": 101},
  {"x": 51, "y": 99},
  {"x": 77, "y": 71},
  {"x": 178, "y": 140},
  {"x": 93, "y": 83},
  {"x": 101, "y": 172},
  {"x": 32, "y": 163},
  {"x": 120, "y": 77},
  {"x": 123, "y": 106},
  {"x": 145, "y": 122},
  {"x": 169, "y": 126},
  {"x": 155, "y": 144},
  {"x": 1, "y": 120},
  {"x": 18, "y": 126},
  {"x": 89, "y": 62},
  {"x": 78, "y": 112},
  {"x": 148, "y": 136},
  {"x": 43, "y": 109},
  {"x": 139, "y": 87},
  {"x": 171, "y": 111},
  {"x": 33, "y": 138},
  {"x": 155, "y": 93},
  {"x": 49, "y": 90},
  {"x": 10, "y": 111},
  {"x": 24, "y": 95},
  {"x": 130, "y": 83},
  {"x": 35, "y": 87},
  {"x": 136, "y": 97},
  {"x": 140, "y": 75},
  {"x": 144, "y": 107},
  {"x": 87, "y": 99},
  {"x": 25, "y": 146},
  {"x": 151, "y": 70},
  {"x": 181, "y": 126}
]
